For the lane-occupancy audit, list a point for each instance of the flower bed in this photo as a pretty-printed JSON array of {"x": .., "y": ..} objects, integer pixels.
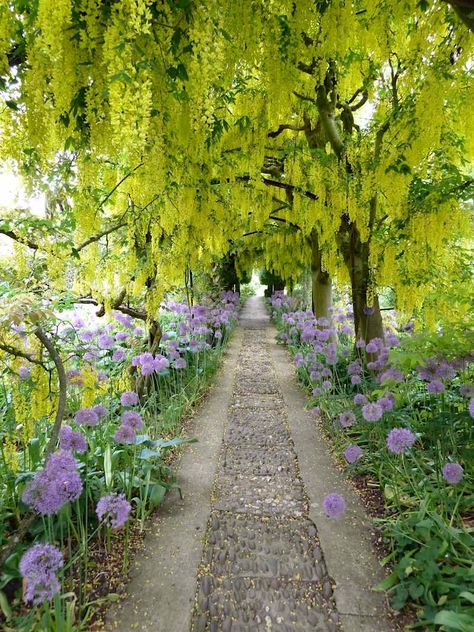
[
  {"x": 111, "y": 467},
  {"x": 400, "y": 415}
]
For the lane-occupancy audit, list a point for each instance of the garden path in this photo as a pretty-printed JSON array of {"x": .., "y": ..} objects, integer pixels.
[{"x": 251, "y": 533}]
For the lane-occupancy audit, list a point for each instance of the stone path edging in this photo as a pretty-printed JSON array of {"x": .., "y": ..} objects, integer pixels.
[
  {"x": 348, "y": 551},
  {"x": 161, "y": 592}
]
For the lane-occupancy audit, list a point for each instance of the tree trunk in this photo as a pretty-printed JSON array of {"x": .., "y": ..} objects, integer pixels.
[
  {"x": 321, "y": 286},
  {"x": 367, "y": 320}
]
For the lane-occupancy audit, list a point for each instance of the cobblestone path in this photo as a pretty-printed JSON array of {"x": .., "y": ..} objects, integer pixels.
[{"x": 262, "y": 567}]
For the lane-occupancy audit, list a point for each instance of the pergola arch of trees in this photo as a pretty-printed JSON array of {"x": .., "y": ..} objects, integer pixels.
[{"x": 168, "y": 136}]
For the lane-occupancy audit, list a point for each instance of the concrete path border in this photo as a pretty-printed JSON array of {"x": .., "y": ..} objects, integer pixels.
[
  {"x": 346, "y": 543},
  {"x": 161, "y": 593}
]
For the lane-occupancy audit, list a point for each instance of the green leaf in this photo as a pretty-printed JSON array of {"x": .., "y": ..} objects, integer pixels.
[
  {"x": 157, "y": 494},
  {"x": 454, "y": 620},
  {"x": 387, "y": 583},
  {"x": 108, "y": 466},
  {"x": 146, "y": 453},
  {"x": 34, "y": 451},
  {"x": 467, "y": 595},
  {"x": 5, "y": 606}
]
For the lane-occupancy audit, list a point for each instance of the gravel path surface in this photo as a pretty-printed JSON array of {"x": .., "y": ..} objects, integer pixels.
[{"x": 263, "y": 568}]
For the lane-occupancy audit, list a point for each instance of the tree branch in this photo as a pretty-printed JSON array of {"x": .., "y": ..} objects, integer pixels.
[
  {"x": 14, "y": 351},
  {"x": 281, "y": 128},
  {"x": 26, "y": 522}
]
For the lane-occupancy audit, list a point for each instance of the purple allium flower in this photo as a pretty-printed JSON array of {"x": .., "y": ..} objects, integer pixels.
[
  {"x": 393, "y": 375},
  {"x": 371, "y": 347},
  {"x": 392, "y": 339},
  {"x": 316, "y": 410},
  {"x": 356, "y": 379},
  {"x": 121, "y": 336},
  {"x": 124, "y": 319},
  {"x": 87, "y": 417},
  {"x": 138, "y": 331},
  {"x": 113, "y": 510},
  {"x": 78, "y": 322},
  {"x": 24, "y": 372},
  {"x": 360, "y": 344},
  {"x": 132, "y": 419},
  {"x": 90, "y": 355},
  {"x": 327, "y": 384},
  {"x": 347, "y": 418},
  {"x": 72, "y": 440},
  {"x": 352, "y": 453},
  {"x": 125, "y": 434},
  {"x": 100, "y": 411},
  {"x": 136, "y": 361},
  {"x": 360, "y": 399},
  {"x": 467, "y": 390},
  {"x": 334, "y": 506},
  {"x": 471, "y": 407},
  {"x": 372, "y": 411},
  {"x": 74, "y": 377},
  {"x": 160, "y": 363},
  {"x": 129, "y": 398},
  {"x": 354, "y": 368},
  {"x": 180, "y": 363},
  {"x": 105, "y": 341},
  {"x": 453, "y": 473},
  {"x": 400, "y": 440},
  {"x": 147, "y": 368},
  {"x": 38, "y": 567},
  {"x": 101, "y": 376},
  {"x": 435, "y": 386},
  {"x": 316, "y": 391},
  {"x": 387, "y": 402},
  {"x": 55, "y": 485},
  {"x": 118, "y": 355}
]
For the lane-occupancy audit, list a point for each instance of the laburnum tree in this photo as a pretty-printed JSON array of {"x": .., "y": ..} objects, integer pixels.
[{"x": 335, "y": 132}]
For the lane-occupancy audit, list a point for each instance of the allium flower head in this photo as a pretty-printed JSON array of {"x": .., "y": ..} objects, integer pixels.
[
  {"x": 387, "y": 402},
  {"x": 24, "y": 372},
  {"x": 453, "y": 473},
  {"x": 435, "y": 386},
  {"x": 393, "y": 375},
  {"x": 467, "y": 390},
  {"x": 125, "y": 434},
  {"x": 356, "y": 379},
  {"x": 129, "y": 398},
  {"x": 132, "y": 419},
  {"x": 352, "y": 453},
  {"x": 399, "y": 440},
  {"x": 87, "y": 417},
  {"x": 372, "y": 411},
  {"x": 38, "y": 567},
  {"x": 105, "y": 341},
  {"x": 360, "y": 399},
  {"x": 471, "y": 407},
  {"x": 113, "y": 510},
  {"x": 71, "y": 440},
  {"x": 55, "y": 485},
  {"x": 100, "y": 411},
  {"x": 121, "y": 336},
  {"x": 347, "y": 418},
  {"x": 118, "y": 355},
  {"x": 334, "y": 506},
  {"x": 180, "y": 363}
]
